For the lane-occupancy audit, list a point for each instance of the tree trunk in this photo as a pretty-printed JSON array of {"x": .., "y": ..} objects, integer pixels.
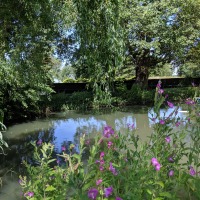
[{"x": 142, "y": 75}]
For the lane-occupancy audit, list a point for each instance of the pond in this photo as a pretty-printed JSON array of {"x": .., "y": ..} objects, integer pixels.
[{"x": 64, "y": 129}]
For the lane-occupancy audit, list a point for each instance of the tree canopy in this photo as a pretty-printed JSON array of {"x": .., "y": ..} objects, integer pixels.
[{"x": 28, "y": 34}]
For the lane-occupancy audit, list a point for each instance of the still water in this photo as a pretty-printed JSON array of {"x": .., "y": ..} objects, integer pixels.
[{"x": 63, "y": 129}]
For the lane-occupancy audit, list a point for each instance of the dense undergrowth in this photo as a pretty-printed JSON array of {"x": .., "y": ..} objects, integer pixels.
[{"x": 120, "y": 97}]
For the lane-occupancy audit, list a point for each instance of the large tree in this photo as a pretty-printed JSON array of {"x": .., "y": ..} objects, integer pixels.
[
  {"x": 28, "y": 36},
  {"x": 159, "y": 32},
  {"x": 101, "y": 45}
]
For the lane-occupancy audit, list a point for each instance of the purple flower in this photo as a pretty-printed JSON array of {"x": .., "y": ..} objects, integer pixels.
[
  {"x": 192, "y": 171},
  {"x": 92, "y": 193},
  {"x": 87, "y": 142},
  {"x": 108, "y": 131},
  {"x": 118, "y": 198},
  {"x": 162, "y": 121},
  {"x": 158, "y": 85},
  {"x": 193, "y": 84},
  {"x": 157, "y": 167},
  {"x": 131, "y": 126},
  {"x": 58, "y": 161},
  {"x": 168, "y": 139},
  {"x": 109, "y": 144},
  {"x": 171, "y": 105},
  {"x": 170, "y": 159},
  {"x": 154, "y": 162},
  {"x": 189, "y": 101},
  {"x": 171, "y": 173},
  {"x": 108, "y": 191},
  {"x": 112, "y": 169},
  {"x": 101, "y": 168},
  {"x": 98, "y": 182},
  {"x": 177, "y": 124},
  {"x": 39, "y": 142},
  {"x": 160, "y": 91},
  {"x": 20, "y": 181},
  {"x": 102, "y": 162},
  {"x": 63, "y": 148},
  {"x": 29, "y": 194},
  {"x": 102, "y": 154}
]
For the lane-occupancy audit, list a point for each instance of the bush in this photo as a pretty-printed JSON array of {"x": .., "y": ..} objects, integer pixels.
[{"x": 120, "y": 165}]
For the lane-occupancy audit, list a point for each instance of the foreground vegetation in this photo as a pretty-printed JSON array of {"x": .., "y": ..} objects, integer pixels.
[{"x": 121, "y": 166}]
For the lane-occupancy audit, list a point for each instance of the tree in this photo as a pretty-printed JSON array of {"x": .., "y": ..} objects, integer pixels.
[
  {"x": 101, "y": 47},
  {"x": 159, "y": 32},
  {"x": 28, "y": 35},
  {"x": 190, "y": 67}
]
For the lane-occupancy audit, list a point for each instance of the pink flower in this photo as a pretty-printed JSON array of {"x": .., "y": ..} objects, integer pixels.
[
  {"x": 102, "y": 154},
  {"x": 158, "y": 85},
  {"x": 92, "y": 193},
  {"x": 171, "y": 173},
  {"x": 29, "y": 194},
  {"x": 102, "y": 162},
  {"x": 109, "y": 144},
  {"x": 98, "y": 182},
  {"x": 171, "y": 105},
  {"x": 39, "y": 142},
  {"x": 108, "y": 131},
  {"x": 156, "y": 164},
  {"x": 63, "y": 148},
  {"x": 112, "y": 169},
  {"x": 118, "y": 198},
  {"x": 168, "y": 139},
  {"x": 162, "y": 121},
  {"x": 101, "y": 168},
  {"x": 157, "y": 167},
  {"x": 108, "y": 191},
  {"x": 170, "y": 159},
  {"x": 192, "y": 171},
  {"x": 87, "y": 142},
  {"x": 154, "y": 161},
  {"x": 177, "y": 124},
  {"x": 160, "y": 91},
  {"x": 189, "y": 101}
]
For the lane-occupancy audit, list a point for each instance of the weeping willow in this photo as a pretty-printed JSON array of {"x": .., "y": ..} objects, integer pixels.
[{"x": 101, "y": 46}]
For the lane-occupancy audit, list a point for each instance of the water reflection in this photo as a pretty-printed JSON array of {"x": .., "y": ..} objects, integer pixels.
[{"x": 63, "y": 127}]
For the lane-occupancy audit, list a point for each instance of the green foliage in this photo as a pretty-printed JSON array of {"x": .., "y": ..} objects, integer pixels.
[
  {"x": 101, "y": 47},
  {"x": 80, "y": 100},
  {"x": 165, "y": 166},
  {"x": 28, "y": 35},
  {"x": 2, "y": 142},
  {"x": 69, "y": 80},
  {"x": 155, "y": 35},
  {"x": 19, "y": 97}
]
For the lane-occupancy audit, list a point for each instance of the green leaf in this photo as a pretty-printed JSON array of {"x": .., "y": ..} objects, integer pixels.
[
  {"x": 165, "y": 194},
  {"x": 50, "y": 188},
  {"x": 159, "y": 183}
]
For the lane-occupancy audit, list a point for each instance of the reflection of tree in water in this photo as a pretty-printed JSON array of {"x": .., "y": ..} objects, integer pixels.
[{"x": 22, "y": 149}]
